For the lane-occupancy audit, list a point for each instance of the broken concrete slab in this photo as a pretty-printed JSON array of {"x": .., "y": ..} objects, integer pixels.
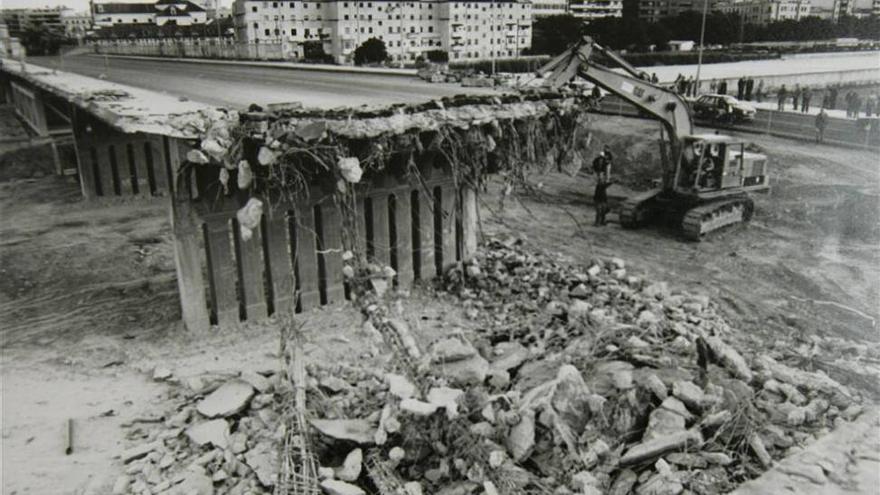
[
  {"x": 351, "y": 467},
  {"x": 231, "y": 398},
  {"x": 263, "y": 459},
  {"x": 659, "y": 446},
  {"x": 214, "y": 432},
  {"x": 359, "y": 431}
]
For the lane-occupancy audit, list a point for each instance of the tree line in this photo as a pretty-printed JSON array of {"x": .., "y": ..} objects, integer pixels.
[{"x": 553, "y": 34}]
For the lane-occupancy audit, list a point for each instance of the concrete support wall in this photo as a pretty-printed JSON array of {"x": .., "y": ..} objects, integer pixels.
[
  {"x": 111, "y": 163},
  {"x": 294, "y": 259},
  {"x": 29, "y": 108}
]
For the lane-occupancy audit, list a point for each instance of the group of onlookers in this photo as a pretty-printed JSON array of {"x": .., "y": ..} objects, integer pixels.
[{"x": 854, "y": 103}]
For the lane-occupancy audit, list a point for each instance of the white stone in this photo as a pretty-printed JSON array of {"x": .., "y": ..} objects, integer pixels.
[
  {"x": 418, "y": 408},
  {"x": 447, "y": 398},
  {"x": 351, "y": 467},
  {"x": 263, "y": 459}
]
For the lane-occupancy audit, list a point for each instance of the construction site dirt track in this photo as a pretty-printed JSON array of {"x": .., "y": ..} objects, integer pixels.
[{"x": 88, "y": 298}]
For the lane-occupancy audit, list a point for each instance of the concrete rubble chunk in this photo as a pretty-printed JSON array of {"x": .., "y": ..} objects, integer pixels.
[
  {"x": 659, "y": 484},
  {"x": 256, "y": 380},
  {"x": 354, "y": 430},
  {"x": 400, "y": 386},
  {"x": 690, "y": 394},
  {"x": 653, "y": 383},
  {"x": 195, "y": 482},
  {"x": 413, "y": 488},
  {"x": 464, "y": 372},
  {"x": 678, "y": 407},
  {"x": 812, "y": 472},
  {"x": 730, "y": 358},
  {"x": 263, "y": 459},
  {"x": 451, "y": 349},
  {"x": 418, "y": 408},
  {"x": 446, "y": 398},
  {"x": 214, "y": 432},
  {"x": 509, "y": 355},
  {"x": 140, "y": 451},
  {"x": 659, "y": 446},
  {"x": 231, "y": 398},
  {"x": 521, "y": 439},
  {"x": 663, "y": 422},
  {"x": 571, "y": 398},
  {"x": 351, "y": 468},
  {"x": 337, "y": 487},
  {"x": 624, "y": 482}
]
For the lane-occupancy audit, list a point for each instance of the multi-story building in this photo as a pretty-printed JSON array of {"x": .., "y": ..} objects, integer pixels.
[
  {"x": 9, "y": 46},
  {"x": 17, "y": 20},
  {"x": 179, "y": 12},
  {"x": 595, "y": 9},
  {"x": 761, "y": 12},
  {"x": 654, "y": 10},
  {"x": 76, "y": 25},
  {"x": 467, "y": 30},
  {"x": 875, "y": 8},
  {"x": 546, "y": 8},
  {"x": 842, "y": 8}
]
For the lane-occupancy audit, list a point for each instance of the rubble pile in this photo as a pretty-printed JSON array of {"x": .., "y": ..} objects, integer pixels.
[{"x": 582, "y": 380}]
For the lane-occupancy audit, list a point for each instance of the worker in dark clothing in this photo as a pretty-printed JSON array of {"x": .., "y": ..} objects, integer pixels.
[
  {"x": 740, "y": 88},
  {"x": 821, "y": 124},
  {"x": 722, "y": 88},
  {"x": 795, "y": 97},
  {"x": 832, "y": 98},
  {"x": 781, "y": 95},
  {"x": 750, "y": 88},
  {"x": 600, "y": 200},
  {"x": 806, "y": 96},
  {"x": 602, "y": 169}
]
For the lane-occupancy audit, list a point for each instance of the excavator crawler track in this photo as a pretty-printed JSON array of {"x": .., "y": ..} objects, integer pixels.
[{"x": 709, "y": 218}]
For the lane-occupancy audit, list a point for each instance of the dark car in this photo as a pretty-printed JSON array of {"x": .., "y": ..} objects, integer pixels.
[{"x": 723, "y": 108}]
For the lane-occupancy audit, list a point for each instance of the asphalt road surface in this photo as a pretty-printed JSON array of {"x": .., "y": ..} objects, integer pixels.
[{"x": 238, "y": 86}]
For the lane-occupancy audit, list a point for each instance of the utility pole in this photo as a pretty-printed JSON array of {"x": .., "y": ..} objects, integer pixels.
[
  {"x": 700, "y": 54},
  {"x": 494, "y": 34}
]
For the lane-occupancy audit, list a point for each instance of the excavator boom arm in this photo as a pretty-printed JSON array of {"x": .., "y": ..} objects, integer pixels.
[{"x": 661, "y": 103}]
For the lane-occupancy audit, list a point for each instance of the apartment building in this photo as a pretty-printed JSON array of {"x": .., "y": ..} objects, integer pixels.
[
  {"x": 654, "y": 10},
  {"x": 468, "y": 31},
  {"x": 17, "y": 20},
  {"x": 546, "y": 8},
  {"x": 595, "y": 9},
  {"x": 162, "y": 12},
  {"x": 761, "y": 12}
]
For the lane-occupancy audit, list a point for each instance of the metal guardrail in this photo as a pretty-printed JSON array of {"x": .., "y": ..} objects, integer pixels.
[{"x": 863, "y": 133}]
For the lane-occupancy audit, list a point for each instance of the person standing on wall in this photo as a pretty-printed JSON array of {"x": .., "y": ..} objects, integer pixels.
[
  {"x": 795, "y": 97},
  {"x": 750, "y": 88}
]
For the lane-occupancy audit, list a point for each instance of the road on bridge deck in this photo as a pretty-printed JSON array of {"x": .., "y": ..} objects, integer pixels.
[{"x": 237, "y": 86}]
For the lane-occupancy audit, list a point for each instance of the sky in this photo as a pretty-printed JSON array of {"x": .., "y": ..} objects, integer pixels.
[{"x": 83, "y": 5}]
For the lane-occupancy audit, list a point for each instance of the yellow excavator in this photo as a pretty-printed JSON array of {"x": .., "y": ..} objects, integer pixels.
[{"x": 706, "y": 177}]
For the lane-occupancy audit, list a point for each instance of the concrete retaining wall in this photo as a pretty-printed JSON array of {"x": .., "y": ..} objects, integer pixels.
[{"x": 199, "y": 48}]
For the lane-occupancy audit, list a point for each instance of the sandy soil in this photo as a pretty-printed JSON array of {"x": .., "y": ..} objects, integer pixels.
[{"x": 88, "y": 300}]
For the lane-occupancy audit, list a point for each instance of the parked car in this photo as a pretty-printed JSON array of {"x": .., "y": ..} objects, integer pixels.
[{"x": 723, "y": 108}]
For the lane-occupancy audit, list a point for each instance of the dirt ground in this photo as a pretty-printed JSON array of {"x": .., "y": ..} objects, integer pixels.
[{"x": 89, "y": 308}]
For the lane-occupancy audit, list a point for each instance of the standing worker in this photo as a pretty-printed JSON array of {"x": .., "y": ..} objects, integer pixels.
[
  {"x": 781, "y": 95},
  {"x": 805, "y": 100},
  {"x": 602, "y": 169},
  {"x": 795, "y": 97},
  {"x": 750, "y": 88},
  {"x": 821, "y": 124}
]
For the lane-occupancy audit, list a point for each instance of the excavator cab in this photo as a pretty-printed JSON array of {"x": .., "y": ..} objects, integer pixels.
[{"x": 711, "y": 164}]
